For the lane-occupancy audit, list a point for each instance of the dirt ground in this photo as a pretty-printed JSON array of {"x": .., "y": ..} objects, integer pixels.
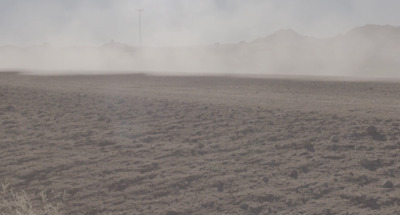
[{"x": 138, "y": 144}]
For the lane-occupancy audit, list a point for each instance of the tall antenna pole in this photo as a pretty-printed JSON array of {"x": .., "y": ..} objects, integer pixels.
[{"x": 140, "y": 11}]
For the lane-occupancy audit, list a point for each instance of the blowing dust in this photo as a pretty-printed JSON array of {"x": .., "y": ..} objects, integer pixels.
[{"x": 370, "y": 50}]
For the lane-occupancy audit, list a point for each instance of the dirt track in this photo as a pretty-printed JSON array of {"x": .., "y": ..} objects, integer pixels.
[{"x": 136, "y": 144}]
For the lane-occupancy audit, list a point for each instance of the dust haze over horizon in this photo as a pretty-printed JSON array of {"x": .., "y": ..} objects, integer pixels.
[{"x": 322, "y": 37}]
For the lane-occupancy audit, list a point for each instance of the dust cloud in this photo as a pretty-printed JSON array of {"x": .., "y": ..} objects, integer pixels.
[
  {"x": 200, "y": 37},
  {"x": 370, "y": 50}
]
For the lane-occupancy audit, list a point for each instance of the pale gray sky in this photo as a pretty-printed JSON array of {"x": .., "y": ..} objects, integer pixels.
[{"x": 182, "y": 22}]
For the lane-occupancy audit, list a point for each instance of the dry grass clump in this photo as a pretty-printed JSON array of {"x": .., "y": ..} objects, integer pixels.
[{"x": 20, "y": 203}]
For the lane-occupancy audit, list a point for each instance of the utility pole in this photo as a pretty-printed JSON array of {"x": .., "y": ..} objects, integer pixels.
[{"x": 140, "y": 11}]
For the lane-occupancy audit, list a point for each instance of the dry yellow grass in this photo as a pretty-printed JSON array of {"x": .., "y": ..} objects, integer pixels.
[{"x": 21, "y": 203}]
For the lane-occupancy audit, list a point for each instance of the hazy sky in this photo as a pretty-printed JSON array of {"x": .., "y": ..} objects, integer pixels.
[{"x": 181, "y": 22}]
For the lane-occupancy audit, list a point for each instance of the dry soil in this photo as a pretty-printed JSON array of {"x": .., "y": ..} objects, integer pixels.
[{"x": 139, "y": 144}]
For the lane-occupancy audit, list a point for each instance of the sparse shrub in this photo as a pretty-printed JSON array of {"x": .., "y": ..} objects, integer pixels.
[{"x": 20, "y": 203}]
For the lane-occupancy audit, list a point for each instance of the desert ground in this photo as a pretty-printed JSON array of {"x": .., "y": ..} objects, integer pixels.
[{"x": 176, "y": 145}]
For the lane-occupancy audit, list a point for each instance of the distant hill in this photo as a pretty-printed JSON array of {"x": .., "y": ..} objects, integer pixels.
[
  {"x": 286, "y": 35},
  {"x": 372, "y": 50},
  {"x": 365, "y": 50},
  {"x": 375, "y": 32}
]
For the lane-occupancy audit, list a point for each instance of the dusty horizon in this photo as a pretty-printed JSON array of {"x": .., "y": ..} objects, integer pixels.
[
  {"x": 178, "y": 107},
  {"x": 316, "y": 37},
  {"x": 177, "y": 22},
  {"x": 255, "y": 38},
  {"x": 365, "y": 51}
]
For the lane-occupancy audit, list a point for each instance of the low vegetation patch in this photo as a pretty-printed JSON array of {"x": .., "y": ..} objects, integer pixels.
[{"x": 21, "y": 203}]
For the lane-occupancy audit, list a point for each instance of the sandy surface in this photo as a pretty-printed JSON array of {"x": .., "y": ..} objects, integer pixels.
[{"x": 136, "y": 144}]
